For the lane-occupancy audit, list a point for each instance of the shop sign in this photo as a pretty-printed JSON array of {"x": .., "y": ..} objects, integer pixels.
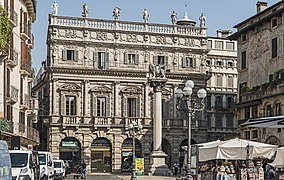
[
  {"x": 70, "y": 143},
  {"x": 139, "y": 166}
]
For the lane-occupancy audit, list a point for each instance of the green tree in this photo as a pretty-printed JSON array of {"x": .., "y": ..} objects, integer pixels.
[
  {"x": 5, "y": 125},
  {"x": 4, "y": 27}
]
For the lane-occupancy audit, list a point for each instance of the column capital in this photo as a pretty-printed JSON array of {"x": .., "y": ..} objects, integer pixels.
[{"x": 157, "y": 83}]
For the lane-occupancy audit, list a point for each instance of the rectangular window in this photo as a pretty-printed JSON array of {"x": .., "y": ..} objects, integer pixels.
[
  {"x": 70, "y": 54},
  {"x": 230, "y": 81},
  {"x": 274, "y": 47},
  {"x": 219, "y": 122},
  {"x": 247, "y": 112},
  {"x": 161, "y": 60},
  {"x": 165, "y": 108},
  {"x": 131, "y": 104},
  {"x": 247, "y": 134},
  {"x": 244, "y": 38},
  {"x": 219, "y": 80},
  {"x": 209, "y": 124},
  {"x": 70, "y": 105},
  {"x": 218, "y": 44},
  {"x": 219, "y": 63},
  {"x": 188, "y": 62},
  {"x": 230, "y": 46},
  {"x": 244, "y": 60},
  {"x": 273, "y": 22},
  {"x": 277, "y": 109},
  {"x": 268, "y": 111},
  {"x": 230, "y": 64},
  {"x": 209, "y": 44},
  {"x": 230, "y": 121},
  {"x": 254, "y": 112},
  {"x": 101, "y": 106},
  {"x": 230, "y": 102},
  {"x": 219, "y": 102},
  {"x": 101, "y": 60},
  {"x": 254, "y": 133},
  {"x": 131, "y": 58},
  {"x": 208, "y": 101}
]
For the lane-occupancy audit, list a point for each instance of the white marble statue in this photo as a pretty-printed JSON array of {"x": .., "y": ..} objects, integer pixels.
[
  {"x": 85, "y": 12},
  {"x": 54, "y": 8},
  {"x": 145, "y": 15},
  {"x": 116, "y": 13},
  {"x": 174, "y": 17}
]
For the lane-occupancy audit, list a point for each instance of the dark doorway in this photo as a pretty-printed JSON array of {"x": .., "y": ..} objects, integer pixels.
[{"x": 127, "y": 156}]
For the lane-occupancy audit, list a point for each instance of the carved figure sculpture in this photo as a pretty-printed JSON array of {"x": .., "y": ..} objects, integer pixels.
[
  {"x": 54, "y": 8},
  {"x": 174, "y": 17},
  {"x": 145, "y": 15},
  {"x": 202, "y": 19},
  {"x": 85, "y": 12},
  {"x": 157, "y": 71},
  {"x": 116, "y": 13}
]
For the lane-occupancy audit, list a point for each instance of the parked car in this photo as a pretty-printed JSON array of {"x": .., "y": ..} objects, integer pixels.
[
  {"x": 5, "y": 162},
  {"x": 25, "y": 164},
  {"x": 46, "y": 165},
  {"x": 59, "y": 169}
]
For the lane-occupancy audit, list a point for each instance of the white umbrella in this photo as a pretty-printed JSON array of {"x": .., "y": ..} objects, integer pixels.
[{"x": 279, "y": 158}]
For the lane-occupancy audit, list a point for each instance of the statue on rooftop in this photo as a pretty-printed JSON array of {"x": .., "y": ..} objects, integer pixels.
[
  {"x": 202, "y": 19},
  {"x": 174, "y": 17},
  {"x": 54, "y": 8},
  {"x": 116, "y": 13},
  {"x": 85, "y": 12},
  {"x": 145, "y": 15}
]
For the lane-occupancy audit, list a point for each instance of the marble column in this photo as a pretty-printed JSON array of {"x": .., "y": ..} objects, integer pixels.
[{"x": 158, "y": 165}]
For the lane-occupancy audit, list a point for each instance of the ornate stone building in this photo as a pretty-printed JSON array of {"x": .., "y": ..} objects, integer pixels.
[
  {"x": 222, "y": 87},
  {"x": 260, "y": 67},
  {"x": 16, "y": 75}
]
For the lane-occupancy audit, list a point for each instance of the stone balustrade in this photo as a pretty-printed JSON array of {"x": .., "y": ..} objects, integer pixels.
[
  {"x": 125, "y": 25},
  {"x": 25, "y": 131},
  {"x": 14, "y": 94}
]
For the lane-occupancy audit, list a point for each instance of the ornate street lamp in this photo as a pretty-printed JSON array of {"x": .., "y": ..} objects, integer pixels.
[
  {"x": 133, "y": 131},
  {"x": 185, "y": 95}
]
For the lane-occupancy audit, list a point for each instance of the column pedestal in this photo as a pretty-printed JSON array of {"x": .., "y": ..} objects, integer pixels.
[{"x": 158, "y": 164}]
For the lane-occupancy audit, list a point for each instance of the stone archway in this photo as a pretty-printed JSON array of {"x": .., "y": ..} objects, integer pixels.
[
  {"x": 126, "y": 153},
  {"x": 101, "y": 158},
  {"x": 273, "y": 140},
  {"x": 70, "y": 151},
  {"x": 167, "y": 148}
]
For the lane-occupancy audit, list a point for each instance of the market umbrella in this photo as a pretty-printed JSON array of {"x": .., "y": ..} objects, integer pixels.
[
  {"x": 279, "y": 158},
  {"x": 236, "y": 149}
]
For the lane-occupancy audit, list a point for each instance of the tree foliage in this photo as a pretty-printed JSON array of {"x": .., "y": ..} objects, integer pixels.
[
  {"x": 5, "y": 125},
  {"x": 4, "y": 27}
]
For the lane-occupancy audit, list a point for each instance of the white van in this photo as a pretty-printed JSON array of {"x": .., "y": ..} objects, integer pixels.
[
  {"x": 59, "y": 169},
  {"x": 24, "y": 164},
  {"x": 5, "y": 162},
  {"x": 46, "y": 165}
]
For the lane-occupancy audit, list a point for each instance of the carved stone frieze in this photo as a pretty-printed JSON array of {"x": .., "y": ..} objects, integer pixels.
[
  {"x": 70, "y": 33},
  {"x": 187, "y": 42},
  {"x": 70, "y": 87},
  {"x": 102, "y": 36}
]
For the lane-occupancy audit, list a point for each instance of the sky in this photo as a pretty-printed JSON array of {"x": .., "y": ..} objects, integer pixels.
[{"x": 220, "y": 14}]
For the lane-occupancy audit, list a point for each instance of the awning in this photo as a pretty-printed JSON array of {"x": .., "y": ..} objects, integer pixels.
[{"x": 265, "y": 122}]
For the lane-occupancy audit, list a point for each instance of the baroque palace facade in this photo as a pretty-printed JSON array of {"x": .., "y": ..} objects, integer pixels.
[
  {"x": 94, "y": 83},
  {"x": 261, "y": 74},
  {"x": 17, "y": 113}
]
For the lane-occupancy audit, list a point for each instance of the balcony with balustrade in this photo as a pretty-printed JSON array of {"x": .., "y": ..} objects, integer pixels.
[
  {"x": 25, "y": 67},
  {"x": 24, "y": 31},
  {"x": 25, "y": 103},
  {"x": 13, "y": 60},
  {"x": 13, "y": 17},
  {"x": 26, "y": 132},
  {"x": 12, "y": 95},
  {"x": 124, "y": 26}
]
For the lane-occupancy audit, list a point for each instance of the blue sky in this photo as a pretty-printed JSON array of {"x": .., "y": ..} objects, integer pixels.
[{"x": 220, "y": 14}]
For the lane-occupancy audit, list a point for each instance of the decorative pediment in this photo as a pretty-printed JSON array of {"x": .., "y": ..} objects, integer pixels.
[
  {"x": 70, "y": 87},
  {"x": 101, "y": 89},
  {"x": 131, "y": 90}
]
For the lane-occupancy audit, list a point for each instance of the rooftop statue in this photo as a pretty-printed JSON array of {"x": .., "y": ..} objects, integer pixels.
[
  {"x": 54, "y": 8},
  {"x": 85, "y": 12},
  {"x": 174, "y": 17},
  {"x": 202, "y": 19},
  {"x": 145, "y": 15},
  {"x": 116, "y": 13}
]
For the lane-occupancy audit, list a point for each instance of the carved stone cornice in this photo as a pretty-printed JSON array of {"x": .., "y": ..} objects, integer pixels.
[
  {"x": 101, "y": 89},
  {"x": 131, "y": 90}
]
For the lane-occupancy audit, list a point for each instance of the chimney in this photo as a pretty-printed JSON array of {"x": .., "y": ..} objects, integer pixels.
[
  {"x": 260, "y": 6},
  {"x": 223, "y": 33}
]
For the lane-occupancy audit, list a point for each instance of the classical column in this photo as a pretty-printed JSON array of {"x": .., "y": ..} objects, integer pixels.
[{"x": 158, "y": 80}]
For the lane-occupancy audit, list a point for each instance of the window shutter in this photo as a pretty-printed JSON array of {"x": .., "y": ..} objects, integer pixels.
[
  {"x": 166, "y": 63},
  {"x": 167, "y": 109},
  {"x": 76, "y": 58},
  {"x": 64, "y": 55},
  {"x": 107, "y": 60},
  {"x": 136, "y": 59},
  {"x": 62, "y": 107},
  {"x": 108, "y": 107},
  {"x": 124, "y": 109},
  {"x": 125, "y": 58},
  {"x": 94, "y": 109},
  {"x": 193, "y": 62},
  {"x": 183, "y": 63},
  {"x": 95, "y": 59},
  {"x": 138, "y": 105},
  {"x": 155, "y": 60}
]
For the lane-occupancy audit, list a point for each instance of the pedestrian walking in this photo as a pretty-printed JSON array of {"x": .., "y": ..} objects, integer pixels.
[
  {"x": 176, "y": 167},
  {"x": 84, "y": 170}
]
